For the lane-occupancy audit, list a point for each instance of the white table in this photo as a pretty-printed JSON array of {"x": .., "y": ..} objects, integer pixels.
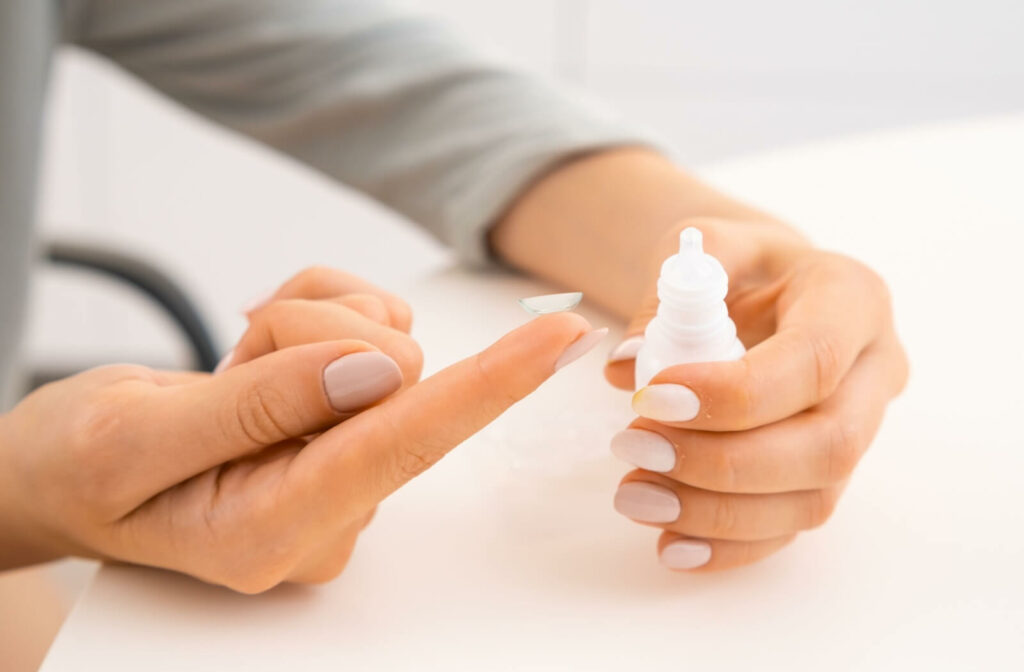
[{"x": 508, "y": 554}]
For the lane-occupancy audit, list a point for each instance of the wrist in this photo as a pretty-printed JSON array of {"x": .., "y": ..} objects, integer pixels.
[
  {"x": 594, "y": 223},
  {"x": 22, "y": 541}
]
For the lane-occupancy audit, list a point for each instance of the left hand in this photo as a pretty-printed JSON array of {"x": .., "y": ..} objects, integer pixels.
[{"x": 738, "y": 457}]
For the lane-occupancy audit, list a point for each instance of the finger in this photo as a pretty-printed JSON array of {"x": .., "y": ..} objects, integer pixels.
[
  {"x": 369, "y": 306},
  {"x": 620, "y": 369},
  {"x": 287, "y": 323},
  {"x": 377, "y": 451},
  {"x": 680, "y": 553},
  {"x": 657, "y": 500},
  {"x": 321, "y": 282},
  {"x": 827, "y": 317},
  {"x": 285, "y": 394},
  {"x": 813, "y": 449}
]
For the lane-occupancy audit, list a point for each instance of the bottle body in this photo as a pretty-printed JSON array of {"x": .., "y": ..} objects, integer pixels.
[
  {"x": 692, "y": 323},
  {"x": 661, "y": 351}
]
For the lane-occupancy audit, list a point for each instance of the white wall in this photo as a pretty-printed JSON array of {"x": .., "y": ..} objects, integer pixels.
[{"x": 716, "y": 78}]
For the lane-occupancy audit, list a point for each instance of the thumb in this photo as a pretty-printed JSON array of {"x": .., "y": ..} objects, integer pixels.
[
  {"x": 289, "y": 393},
  {"x": 380, "y": 449}
]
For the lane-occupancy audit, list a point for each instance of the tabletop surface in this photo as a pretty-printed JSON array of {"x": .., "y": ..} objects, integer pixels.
[{"x": 508, "y": 555}]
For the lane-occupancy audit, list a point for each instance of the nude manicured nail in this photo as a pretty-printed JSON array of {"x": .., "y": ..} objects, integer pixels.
[
  {"x": 647, "y": 502},
  {"x": 666, "y": 403},
  {"x": 580, "y": 347},
  {"x": 685, "y": 554},
  {"x": 627, "y": 349},
  {"x": 355, "y": 381},
  {"x": 224, "y": 362},
  {"x": 644, "y": 449}
]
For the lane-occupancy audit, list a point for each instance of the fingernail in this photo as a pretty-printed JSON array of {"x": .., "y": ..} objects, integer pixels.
[
  {"x": 224, "y": 362},
  {"x": 627, "y": 349},
  {"x": 262, "y": 299},
  {"x": 644, "y": 449},
  {"x": 685, "y": 554},
  {"x": 666, "y": 403},
  {"x": 580, "y": 347},
  {"x": 355, "y": 381},
  {"x": 647, "y": 502}
]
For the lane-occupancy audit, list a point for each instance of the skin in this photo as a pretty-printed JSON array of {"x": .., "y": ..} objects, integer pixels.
[
  {"x": 779, "y": 431},
  {"x": 249, "y": 478}
]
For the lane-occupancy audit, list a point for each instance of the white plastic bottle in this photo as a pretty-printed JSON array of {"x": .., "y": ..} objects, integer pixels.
[{"x": 692, "y": 323}]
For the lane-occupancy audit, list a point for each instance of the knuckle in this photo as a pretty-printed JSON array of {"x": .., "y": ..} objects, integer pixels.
[
  {"x": 902, "y": 368},
  {"x": 263, "y": 319},
  {"x": 256, "y": 580},
  {"x": 723, "y": 517},
  {"x": 871, "y": 279},
  {"x": 842, "y": 449},
  {"x": 370, "y": 306},
  {"x": 500, "y": 392},
  {"x": 332, "y": 566},
  {"x": 92, "y": 459},
  {"x": 741, "y": 400},
  {"x": 411, "y": 461},
  {"x": 249, "y": 572},
  {"x": 313, "y": 277},
  {"x": 261, "y": 415},
  {"x": 819, "y": 507},
  {"x": 408, "y": 354},
  {"x": 724, "y": 471},
  {"x": 401, "y": 313},
  {"x": 827, "y": 359},
  {"x": 412, "y": 455}
]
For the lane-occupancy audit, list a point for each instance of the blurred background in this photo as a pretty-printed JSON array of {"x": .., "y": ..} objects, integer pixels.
[{"x": 716, "y": 79}]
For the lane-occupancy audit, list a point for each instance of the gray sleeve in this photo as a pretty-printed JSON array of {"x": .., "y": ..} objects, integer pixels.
[{"x": 385, "y": 100}]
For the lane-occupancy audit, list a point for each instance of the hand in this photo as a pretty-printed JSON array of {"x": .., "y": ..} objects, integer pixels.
[
  {"x": 323, "y": 304},
  {"x": 738, "y": 457},
  {"x": 213, "y": 475}
]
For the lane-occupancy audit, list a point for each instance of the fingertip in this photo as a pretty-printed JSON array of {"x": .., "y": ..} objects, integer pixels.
[
  {"x": 562, "y": 326},
  {"x": 357, "y": 380},
  {"x": 401, "y": 313},
  {"x": 627, "y": 349},
  {"x": 621, "y": 374},
  {"x": 542, "y": 338},
  {"x": 684, "y": 555}
]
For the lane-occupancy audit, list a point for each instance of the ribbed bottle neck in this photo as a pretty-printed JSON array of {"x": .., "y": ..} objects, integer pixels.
[{"x": 695, "y": 318}]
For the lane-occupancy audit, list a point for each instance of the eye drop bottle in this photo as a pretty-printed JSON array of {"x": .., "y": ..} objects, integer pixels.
[{"x": 692, "y": 323}]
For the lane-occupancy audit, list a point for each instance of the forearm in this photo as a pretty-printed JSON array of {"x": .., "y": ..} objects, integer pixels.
[{"x": 593, "y": 223}]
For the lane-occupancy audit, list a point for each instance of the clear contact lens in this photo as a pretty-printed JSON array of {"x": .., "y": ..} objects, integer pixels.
[{"x": 551, "y": 303}]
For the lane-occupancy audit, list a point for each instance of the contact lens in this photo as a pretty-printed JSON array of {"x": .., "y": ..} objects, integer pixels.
[{"x": 551, "y": 303}]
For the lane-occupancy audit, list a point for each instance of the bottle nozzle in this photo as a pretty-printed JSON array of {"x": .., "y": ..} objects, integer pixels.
[
  {"x": 691, "y": 241},
  {"x": 691, "y": 269}
]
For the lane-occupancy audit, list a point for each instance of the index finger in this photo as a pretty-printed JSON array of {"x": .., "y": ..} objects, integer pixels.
[
  {"x": 827, "y": 315},
  {"x": 380, "y": 449}
]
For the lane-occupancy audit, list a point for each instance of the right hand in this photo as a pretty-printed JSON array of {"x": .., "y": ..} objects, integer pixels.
[{"x": 212, "y": 476}]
